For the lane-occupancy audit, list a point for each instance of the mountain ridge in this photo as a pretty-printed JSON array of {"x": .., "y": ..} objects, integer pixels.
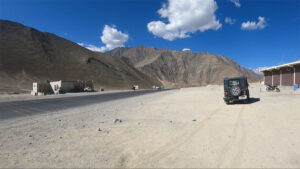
[
  {"x": 28, "y": 55},
  {"x": 183, "y": 68}
]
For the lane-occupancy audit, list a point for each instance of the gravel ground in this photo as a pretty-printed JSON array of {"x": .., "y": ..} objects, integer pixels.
[{"x": 183, "y": 128}]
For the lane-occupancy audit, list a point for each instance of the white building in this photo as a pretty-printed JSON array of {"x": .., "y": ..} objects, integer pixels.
[{"x": 40, "y": 88}]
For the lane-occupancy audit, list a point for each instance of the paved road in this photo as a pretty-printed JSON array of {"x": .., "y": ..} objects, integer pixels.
[{"x": 15, "y": 109}]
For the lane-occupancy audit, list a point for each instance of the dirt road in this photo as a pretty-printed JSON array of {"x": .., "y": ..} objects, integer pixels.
[{"x": 183, "y": 128}]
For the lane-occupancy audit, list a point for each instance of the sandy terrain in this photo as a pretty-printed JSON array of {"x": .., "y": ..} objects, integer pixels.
[{"x": 189, "y": 127}]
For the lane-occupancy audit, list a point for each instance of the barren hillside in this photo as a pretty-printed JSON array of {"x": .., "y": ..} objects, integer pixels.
[
  {"x": 182, "y": 68},
  {"x": 28, "y": 55}
]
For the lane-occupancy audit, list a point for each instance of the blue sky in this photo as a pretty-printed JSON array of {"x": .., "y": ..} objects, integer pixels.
[{"x": 274, "y": 40}]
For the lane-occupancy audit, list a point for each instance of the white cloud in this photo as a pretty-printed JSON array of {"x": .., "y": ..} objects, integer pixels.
[
  {"x": 90, "y": 47},
  {"x": 186, "y": 49},
  {"x": 252, "y": 25},
  {"x": 236, "y": 3},
  {"x": 112, "y": 38},
  {"x": 185, "y": 17},
  {"x": 229, "y": 20}
]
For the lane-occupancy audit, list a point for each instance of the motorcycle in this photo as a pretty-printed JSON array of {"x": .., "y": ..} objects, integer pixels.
[{"x": 270, "y": 88}]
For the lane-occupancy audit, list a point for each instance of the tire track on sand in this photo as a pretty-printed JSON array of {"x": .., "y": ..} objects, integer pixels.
[
  {"x": 172, "y": 145},
  {"x": 238, "y": 141}
]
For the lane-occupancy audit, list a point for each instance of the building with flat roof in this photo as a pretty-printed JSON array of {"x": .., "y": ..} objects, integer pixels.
[{"x": 282, "y": 75}]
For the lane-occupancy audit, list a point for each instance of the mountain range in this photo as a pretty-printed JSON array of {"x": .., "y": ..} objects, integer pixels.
[
  {"x": 28, "y": 55},
  {"x": 183, "y": 68}
]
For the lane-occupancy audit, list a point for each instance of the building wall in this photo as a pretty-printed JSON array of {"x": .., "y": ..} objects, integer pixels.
[
  {"x": 276, "y": 78},
  {"x": 287, "y": 76},
  {"x": 41, "y": 87},
  {"x": 67, "y": 86},
  {"x": 268, "y": 77},
  {"x": 297, "y": 74}
]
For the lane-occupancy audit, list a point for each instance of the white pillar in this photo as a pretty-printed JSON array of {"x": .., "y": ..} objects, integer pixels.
[
  {"x": 294, "y": 75},
  {"x": 280, "y": 77},
  {"x": 272, "y": 78}
]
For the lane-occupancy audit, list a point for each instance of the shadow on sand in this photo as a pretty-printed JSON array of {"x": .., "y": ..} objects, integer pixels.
[
  {"x": 250, "y": 101},
  {"x": 253, "y": 100}
]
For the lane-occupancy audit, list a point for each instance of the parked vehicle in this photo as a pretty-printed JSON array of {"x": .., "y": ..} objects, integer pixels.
[
  {"x": 135, "y": 87},
  {"x": 236, "y": 89},
  {"x": 272, "y": 88},
  {"x": 87, "y": 89}
]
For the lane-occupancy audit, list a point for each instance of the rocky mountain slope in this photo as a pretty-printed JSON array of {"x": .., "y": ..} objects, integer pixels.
[
  {"x": 185, "y": 68},
  {"x": 28, "y": 55}
]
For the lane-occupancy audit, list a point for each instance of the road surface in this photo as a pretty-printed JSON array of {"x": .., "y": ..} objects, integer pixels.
[{"x": 13, "y": 109}]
